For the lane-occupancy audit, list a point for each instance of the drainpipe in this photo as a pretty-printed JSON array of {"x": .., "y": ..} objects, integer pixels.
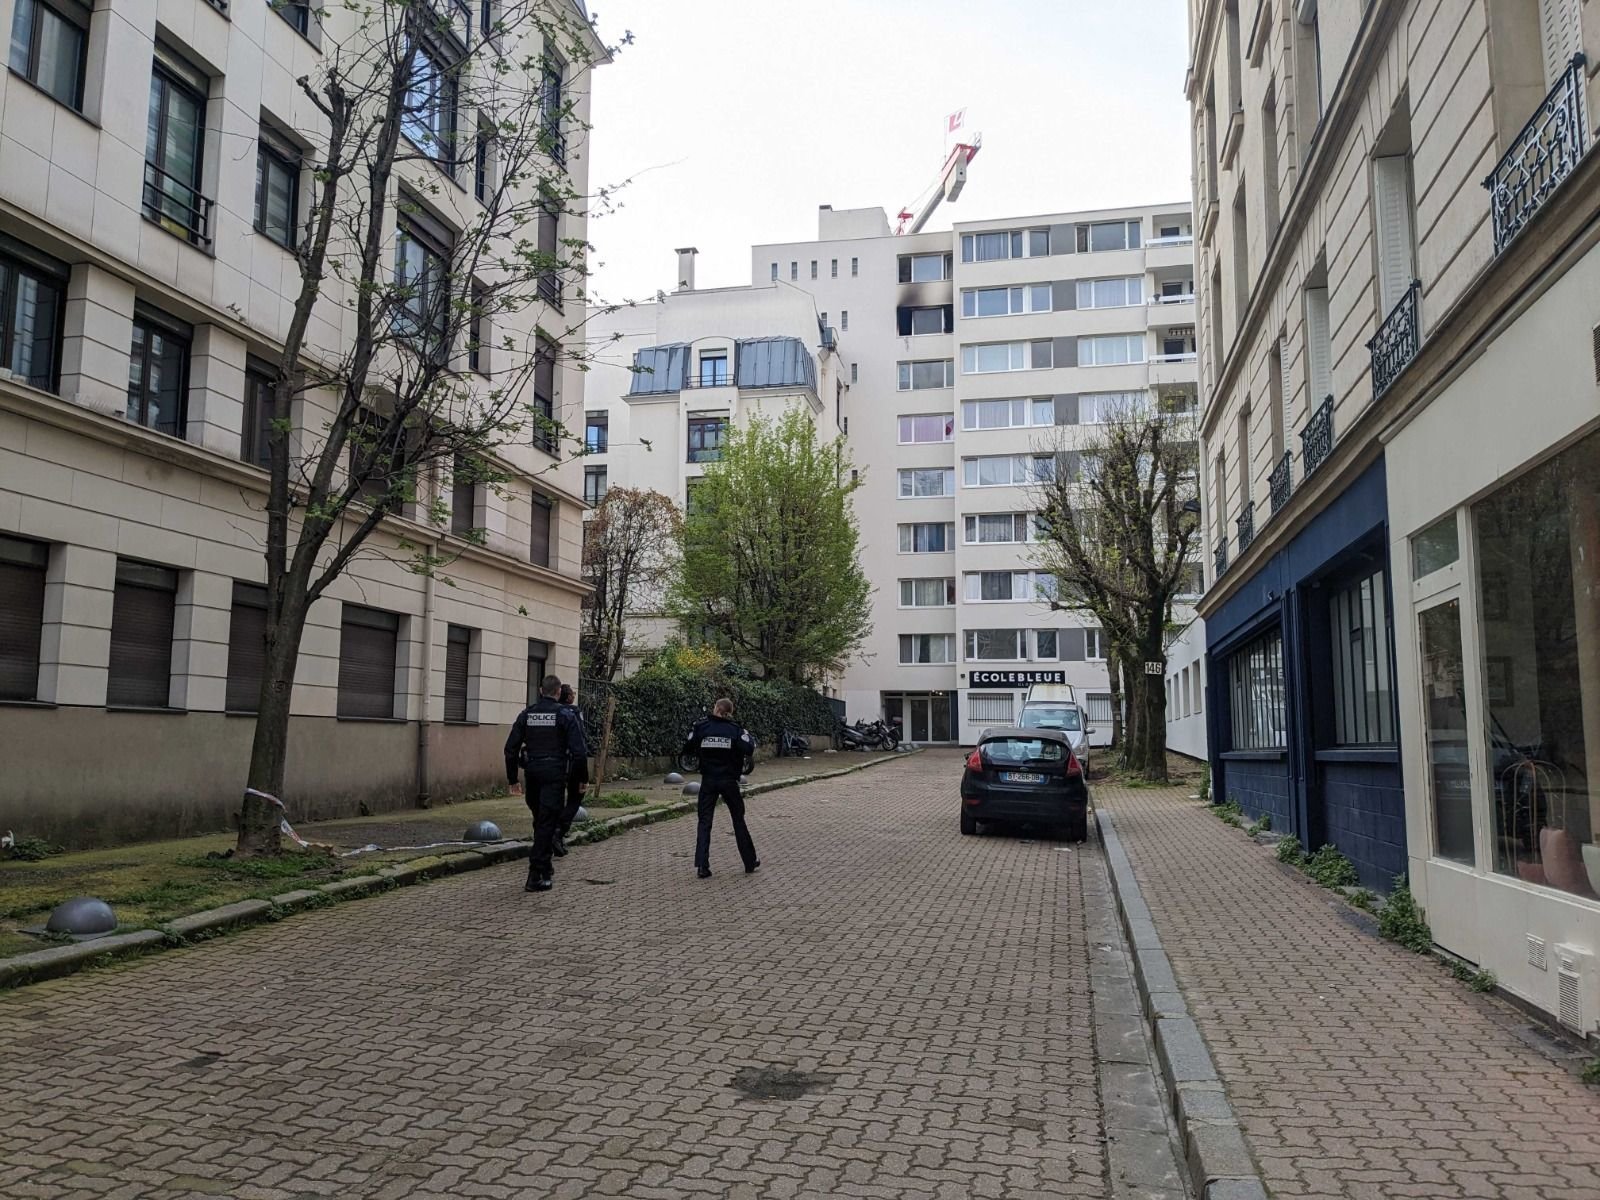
[{"x": 424, "y": 725}]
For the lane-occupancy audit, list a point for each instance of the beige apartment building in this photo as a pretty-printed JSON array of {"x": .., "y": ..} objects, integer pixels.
[
  {"x": 154, "y": 167},
  {"x": 1399, "y": 259},
  {"x": 957, "y": 364}
]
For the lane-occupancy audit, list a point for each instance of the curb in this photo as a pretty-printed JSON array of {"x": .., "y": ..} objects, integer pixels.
[
  {"x": 38, "y": 965},
  {"x": 1219, "y": 1162}
]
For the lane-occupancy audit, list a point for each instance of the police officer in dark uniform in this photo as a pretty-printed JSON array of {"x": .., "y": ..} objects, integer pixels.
[
  {"x": 577, "y": 775},
  {"x": 725, "y": 749},
  {"x": 543, "y": 742}
]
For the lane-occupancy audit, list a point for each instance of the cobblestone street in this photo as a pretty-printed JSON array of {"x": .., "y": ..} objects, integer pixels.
[{"x": 464, "y": 1039}]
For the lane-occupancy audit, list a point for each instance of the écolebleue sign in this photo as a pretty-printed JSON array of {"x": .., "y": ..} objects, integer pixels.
[{"x": 1015, "y": 678}]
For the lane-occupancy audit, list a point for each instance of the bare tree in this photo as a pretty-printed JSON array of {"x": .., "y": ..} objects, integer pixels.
[
  {"x": 1118, "y": 521},
  {"x": 629, "y": 555},
  {"x": 427, "y": 326}
]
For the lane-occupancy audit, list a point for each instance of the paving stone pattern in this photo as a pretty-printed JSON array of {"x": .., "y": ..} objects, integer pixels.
[
  {"x": 923, "y": 997},
  {"x": 1357, "y": 1070}
]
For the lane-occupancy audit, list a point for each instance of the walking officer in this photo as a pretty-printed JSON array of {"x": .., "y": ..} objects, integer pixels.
[
  {"x": 543, "y": 742},
  {"x": 577, "y": 775},
  {"x": 725, "y": 749}
]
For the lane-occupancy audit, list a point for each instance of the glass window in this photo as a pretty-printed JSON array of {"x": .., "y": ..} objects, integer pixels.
[
  {"x": 932, "y": 373},
  {"x": 1255, "y": 682},
  {"x": 927, "y": 593},
  {"x": 480, "y": 165},
  {"x": 463, "y": 495},
  {"x": 1363, "y": 694},
  {"x": 422, "y": 280},
  {"x": 544, "y": 394},
  {"x": 923, "y": 320},
  {"x": 1109, "y": 235},
  {"x": 997, "y": 585},
  {"x": 994, "y": 356},
  {"x": 1110, "y": 293},
  {"x": 925, "y": 268},
  {"x": 984, "y": 528},
  {"x": 538, "y": 667},
  {"x": 833, "y": 268},
  {"x": 984, "y": 247},
  {"x": 855, "y": 266},
  {"x": 1094, "y": 645},
  {"x": 429, "y": 115},
  {"x": 552, "y": 106},
  {"x": 175, "y": 134},
  {"x": 296, "y": 12},
  {"x": 774, "y": 272},
  {"x": 930, "y": 537},
  {"x": 714, "y": 369},
  {"x": 1538, "y": 568},
  {"x": 706, "y": 436},
  {"x": 277, "y": 190},
  {"x": 1044, "y": 645},
  {"x": 927, "y": 481},
  {"x": 927, "y": 648},
  {"x": 1038, "y": 243},
  {"x": 1113, "y": 350},
  {"x": 1098, "y": 408},
  {"x": 47, "y": 48},
  {"x": 596, "y": 432},
  {"x": 594, "y": 484},
  {"x": 937, "y": 427},
  {"x": 255, "y": 444},
  {"x": 541, "y": 518},
  {"x": 995, "y": 645},
  {"x": 158, "y": 372},
  {"x": 30, "y": 316},
  {"x": 1444, "y": 728},
  {"x": 1435, "y": 548}
]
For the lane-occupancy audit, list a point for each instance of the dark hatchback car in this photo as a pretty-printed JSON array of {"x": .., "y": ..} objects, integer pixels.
[{"x": 1025, "y": 777}]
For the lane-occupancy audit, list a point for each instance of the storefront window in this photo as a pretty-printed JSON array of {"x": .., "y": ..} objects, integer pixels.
[
  {"x": 1538, "y": 583},
  {"x": 1444, "y": 725},
  {"x": 1255, "y": 690}
]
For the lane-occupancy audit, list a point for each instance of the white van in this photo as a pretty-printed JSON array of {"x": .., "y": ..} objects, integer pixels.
[{"x": 1050, "y": 693}]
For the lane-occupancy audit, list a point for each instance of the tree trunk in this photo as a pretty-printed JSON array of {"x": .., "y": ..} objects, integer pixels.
[
  {"x": 1150, "y": 704},
  {"x": 1119, "y": 746},
  {"x": 259, "y": 819}
]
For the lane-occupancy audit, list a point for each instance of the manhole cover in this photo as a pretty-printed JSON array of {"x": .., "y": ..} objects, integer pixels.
[{"x": 778, "y": 1083}]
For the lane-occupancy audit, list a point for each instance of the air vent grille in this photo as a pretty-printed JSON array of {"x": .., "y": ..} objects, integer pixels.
[
  {"x": 1536, "y": 957},
  {"x": 1570, "y": 1003},
  {"x": 1597, "y": 353}
]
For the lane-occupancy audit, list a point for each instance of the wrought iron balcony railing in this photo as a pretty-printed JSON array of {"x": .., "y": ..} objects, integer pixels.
[
  {"x": 176, "y": 206},
  {"x": 1219, "y": 558},
  {"x": 1245, "y": 523},
  {"x": 1395, "y": 344},
  {"x": 1540, "y": 158},
  {"x": 1316, "y": 439},
  {"x": 1281, "y": 481}
]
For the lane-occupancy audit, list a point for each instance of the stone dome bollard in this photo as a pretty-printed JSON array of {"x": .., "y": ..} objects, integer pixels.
[
  {"x": 83, "y": 916},
  {"x": 692, "y": 788},
  {"x": 673, "y": 777},
  {"x": 483, "y": 831},
  {"x": 582, "y": 814}
]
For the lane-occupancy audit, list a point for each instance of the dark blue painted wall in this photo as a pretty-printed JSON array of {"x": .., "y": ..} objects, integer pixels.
[
  {"x": 1364, "y": 808},
  {"x": 1261, "y": 786}
]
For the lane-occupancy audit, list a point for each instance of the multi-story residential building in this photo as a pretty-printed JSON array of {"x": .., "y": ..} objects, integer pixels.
[
  {"x": 154, "y": 172},
  {"x": 1399, "y": 256},
  {"x": 968, "y": 363}
]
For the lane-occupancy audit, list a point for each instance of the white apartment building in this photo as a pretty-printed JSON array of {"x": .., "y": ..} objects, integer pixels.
[
  {"x": 957, "y": 363},
  {"x": 154, "y": 167}
]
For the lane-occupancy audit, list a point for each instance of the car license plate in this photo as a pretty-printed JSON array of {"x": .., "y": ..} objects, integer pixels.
[{"x": 1021, "y": 777}]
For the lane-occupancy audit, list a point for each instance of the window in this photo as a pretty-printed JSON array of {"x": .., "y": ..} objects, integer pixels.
[
  {"x": 1094, "y": 645},
  {"x": 463, "y": 495},
  {"x": 927, "y": 537},
  {"x": 428, "y": 117},
  {"x": 541, "y": 521},
  {"x": 176, "y": 134},
  {"x": 1045, "y": 646},
  {"x": 1099, "y": 708},
  {"x": 486, "y": 18},
  {"x": 919, "y": 648},
  {"x": 923, "y": 268},
  {"x": 932, "y": 373},
  {"x": 1108, "y": 235},
  {"x": 1098, "y": 408},
  {"x": 538, "y": 667},
  {"x": 813, "y": 268},
  {"x": 1255, "y": 691},
  {"x": 833, "y": 269},
  {"x": 1363, "y": 694},
  {"x": 927, "y": 481},
  {"x": 32, "y": 288},
  {"x": 1319, "y": 347},
  {"x": 992, "y": 708},
  {"x": 422, "y": 283},
  {"x": 996, "y": 645},
  {"x": 142, "y": 610},
  {"x": 480, "y": 165},
  {"x": 855, "y": 373},
  {"x": 247, "y": 648},
  {"x": 1008, "y": 414},
  {"x": 1005, "y": 301},
  {"x": 1006, "y": 470},
  {"x": 255, "y": 444},
  {"x": 706, "y": 435},
  {"x": 277, "y": 189},
  {"x": 1308, "y": 74},
  {"x": 478, "y": 335},
  {"x": 1006, "y": 356},
  {"x": 1394, "y": 219},
  {"x": 938, "y": 427},
  {"x": 927, "y": 593},
  {"x": 47, "y": 47},
  {"x": 774, "y": 272},
  {"x": 987, "y": 586},
  {"x": 844, "y": 318},
  {"x": 297, "y": 13},
  {"x": 552, "y": 106},
  {"x": 368, "y": 649},
  {"x": 457, "y": 672},
  {"x": 596, "y": 432},
  {"x": 989, "y": 528},
  {"x": 1122, "y": 292},
  {"x": 1110, "y": 351},
  {"x": 794, "y": 271},
  {"x": 1022, "y": 243},
  {"x": 594, "y": 485},
  {"x": 714, "y": 369},
  {"x": 158, "y": 371},
  {"x": 855, "y": 266},
  {"x": 1435, "y": 548},
  {"x": 544, "y": 396},
  {"x": 1192, "y": 582},
  {"x": 22, "y": 575}
]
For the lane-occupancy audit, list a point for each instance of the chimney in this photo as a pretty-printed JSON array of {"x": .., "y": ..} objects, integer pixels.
[{"x": 686, "y": 268}]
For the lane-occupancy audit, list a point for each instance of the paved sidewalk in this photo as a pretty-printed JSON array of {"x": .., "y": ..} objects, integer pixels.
[
  {"x": 1357, "y": 1070},
  {"x": 624, "y": 1035}
]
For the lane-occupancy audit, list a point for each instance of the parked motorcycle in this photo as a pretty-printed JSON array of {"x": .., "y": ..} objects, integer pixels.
[{"x": 874, "y": 735}]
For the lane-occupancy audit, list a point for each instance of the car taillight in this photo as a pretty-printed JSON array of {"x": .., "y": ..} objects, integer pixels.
[
  {"x": 975, "y": 761},
  {"x": 1074, "y": 767}
]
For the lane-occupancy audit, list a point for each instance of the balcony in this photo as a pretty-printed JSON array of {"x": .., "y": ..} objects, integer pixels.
[
  {"x": 1281, "y": 481},
  {"x": 1181, "y": 239},
  {"x": 1173, "y": 368},
  {"x": 1219, "y": 558},
  {"x": 1245, "y": 524},
  {"x": 1395, "y": 344},
  {"x": 1316, "y": 439},
  {"x": 176, "y": 206},
  {"x": 1540, "y": 158},
  {"x": 1184, "y": 298}
]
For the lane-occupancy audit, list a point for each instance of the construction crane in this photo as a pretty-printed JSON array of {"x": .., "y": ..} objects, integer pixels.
[{"x": 947, "y": 187}]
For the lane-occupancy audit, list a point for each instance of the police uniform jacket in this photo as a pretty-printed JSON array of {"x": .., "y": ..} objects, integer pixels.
[
  {"x": 545, "y": 735},
  {"x": 721, "y": 745}
]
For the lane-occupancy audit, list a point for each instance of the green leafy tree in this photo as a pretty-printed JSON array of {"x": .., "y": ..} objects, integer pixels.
[{"x": 770, "y": 551}]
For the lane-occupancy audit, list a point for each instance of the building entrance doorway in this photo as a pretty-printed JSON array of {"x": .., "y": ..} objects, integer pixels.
[{"x": 923, "y": 716}]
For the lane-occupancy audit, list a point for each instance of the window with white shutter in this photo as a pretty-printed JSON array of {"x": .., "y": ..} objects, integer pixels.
[
  {"x": 990, "y": 708},
  {"x": 1319, "y": 350},
  {"x": 1392, "y": 213},
  {"x": 1560, "y": 36}
]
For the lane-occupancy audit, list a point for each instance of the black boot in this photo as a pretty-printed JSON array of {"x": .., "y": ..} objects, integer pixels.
[
  {"x": 751, "y": 868},
  {"x": 703, "y": 872},
  {"x": 558, "y": 846}
]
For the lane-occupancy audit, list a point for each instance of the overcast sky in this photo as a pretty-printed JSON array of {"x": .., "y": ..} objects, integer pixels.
[{"x": 735, "y": 119}]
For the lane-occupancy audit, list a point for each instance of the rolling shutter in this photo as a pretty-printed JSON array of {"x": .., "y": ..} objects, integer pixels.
[
  {"x": 142, "y": 609},
  {"x": 457, "y": 654},
  {"x": 22, "y": 571},
  {"x": 247, "y": 648},
  {"x": 367, "y": 645},
  {"x": 1392, "y": 211}
]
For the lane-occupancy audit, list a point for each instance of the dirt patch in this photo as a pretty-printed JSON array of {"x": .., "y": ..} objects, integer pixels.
[{"x": 779, "y": 1083}]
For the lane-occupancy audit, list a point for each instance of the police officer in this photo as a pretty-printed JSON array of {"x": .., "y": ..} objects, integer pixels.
[
  {"x": 543, "y": 742},
  {"x": 725, "y": 749},
  {"x": 577, "y": 775}
]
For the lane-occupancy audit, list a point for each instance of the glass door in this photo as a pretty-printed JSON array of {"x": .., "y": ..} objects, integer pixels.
[
  {"x": 1445, "y": 731},
  {"x": 920, "y": 714}
]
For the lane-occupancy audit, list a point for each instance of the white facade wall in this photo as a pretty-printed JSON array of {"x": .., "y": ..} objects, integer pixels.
[{"x": 1186, "y": 692}]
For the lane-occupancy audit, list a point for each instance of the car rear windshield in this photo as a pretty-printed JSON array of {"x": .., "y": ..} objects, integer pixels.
[
  {"x": 1053, "y": 717},
  {"x": 1002, "y": 751}
]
